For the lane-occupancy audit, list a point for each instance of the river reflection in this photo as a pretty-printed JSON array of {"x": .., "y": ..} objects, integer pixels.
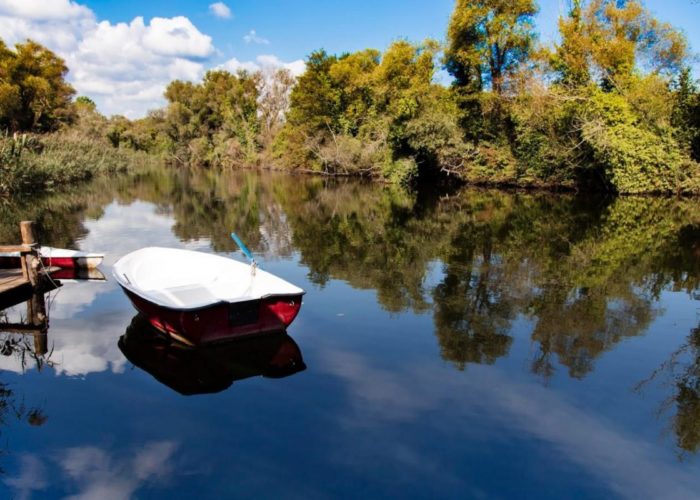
[
  {"x": 209, "y": 369},
  {"x": 454, "y": 338}
]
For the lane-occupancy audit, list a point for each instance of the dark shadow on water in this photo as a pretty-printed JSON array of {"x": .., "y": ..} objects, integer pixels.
[{"x": 208, "y": 369}]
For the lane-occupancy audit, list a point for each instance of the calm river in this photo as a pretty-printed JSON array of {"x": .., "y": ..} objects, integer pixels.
[{"x": 457, "y": 344}]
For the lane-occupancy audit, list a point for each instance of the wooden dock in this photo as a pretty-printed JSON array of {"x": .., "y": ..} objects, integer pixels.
[
  {"x": 27, "y": 283},
  {"x": 30, "y": 277},
  {"x": 11, "y": 279}
]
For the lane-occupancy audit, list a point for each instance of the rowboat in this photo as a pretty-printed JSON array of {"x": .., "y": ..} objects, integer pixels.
[
  {"x": 200, "y": 298},
  {"x": 55, "y": 257},
  {"x": 210, "y": 368}
]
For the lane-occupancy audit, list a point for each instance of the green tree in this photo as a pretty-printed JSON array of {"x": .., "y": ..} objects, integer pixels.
[
  {"x": 214, "y": 122},
  {"x": 488, "y": 40},
  {"x": 372, "y": 114},
  {"x": 686, "y": 113},
  {"x": 85, "y": 101},
  {"x": 34, "y": 95},
  {"x": 570, "y": 58},
  {"x": 612, "y": 39}
]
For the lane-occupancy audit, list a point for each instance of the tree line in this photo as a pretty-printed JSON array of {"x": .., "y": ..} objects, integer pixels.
[{"x": 610, "y": 106}]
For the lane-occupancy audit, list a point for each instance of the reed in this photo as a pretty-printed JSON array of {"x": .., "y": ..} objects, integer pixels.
[{"x": 34, "y": 163}]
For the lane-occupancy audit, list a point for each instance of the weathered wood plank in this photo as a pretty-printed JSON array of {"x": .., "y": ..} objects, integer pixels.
[
  {"x": 15, "y": 248},
  {"x": 11, "y": 278}
]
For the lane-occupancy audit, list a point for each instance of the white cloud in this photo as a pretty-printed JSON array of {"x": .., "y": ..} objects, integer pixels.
[
  {"x": 42, "y": 10},
  {"x": 96, "y": 472},
  {"x": 234, "y": 65},
  {"x": 264, "y": 63},
  {"x": 252, "y": 37},
  {"x": 176, "y": 37},
  {"x": 629, "y": 465},
  {"x": 124, "y": 67},
  {"x": 269, "y": 61},
  {"x": 220, "y": 9}
]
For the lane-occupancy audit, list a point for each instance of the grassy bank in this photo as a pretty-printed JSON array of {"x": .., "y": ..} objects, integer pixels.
[{"x": 35, "y": 163}]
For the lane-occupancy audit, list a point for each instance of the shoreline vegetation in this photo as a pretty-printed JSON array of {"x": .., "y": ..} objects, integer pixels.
[{"x": 611, "y": 107}]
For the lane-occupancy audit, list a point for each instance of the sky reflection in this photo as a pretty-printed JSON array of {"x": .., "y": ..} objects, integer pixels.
[{"x": 480, "y": 345}]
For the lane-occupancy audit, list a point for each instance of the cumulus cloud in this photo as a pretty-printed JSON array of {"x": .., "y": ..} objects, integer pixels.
[
  {"x": 220, "y": 9},
  {"x": 252, "y": 37},
  {"x": 264, "y": 63},
  {"x": 175, "y": 37},
  {"x": 42, "y": 10},
  {"x": 124, "y": 67}
]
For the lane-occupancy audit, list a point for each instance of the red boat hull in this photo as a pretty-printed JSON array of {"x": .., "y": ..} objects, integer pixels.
[
  {"x": 62, "y": 262},
  {"x": 222, "y": 321}
]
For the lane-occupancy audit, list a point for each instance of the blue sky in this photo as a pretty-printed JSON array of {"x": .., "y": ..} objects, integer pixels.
[
  {"x": 297, "y": 27},
  {"x": 123, "y": 54}
]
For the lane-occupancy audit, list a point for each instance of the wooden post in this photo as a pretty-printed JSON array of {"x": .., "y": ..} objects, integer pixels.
[
  {"x": 36, "y": 311},
  {"x": 26, "y": 227},
  {"x": 30, "y": 259}
]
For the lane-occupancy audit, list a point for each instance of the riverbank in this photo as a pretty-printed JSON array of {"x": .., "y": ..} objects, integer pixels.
[{"x": 32, "y": 163}]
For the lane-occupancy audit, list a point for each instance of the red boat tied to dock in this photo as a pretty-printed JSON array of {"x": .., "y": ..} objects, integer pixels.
[{"x": 55, "y": 257}]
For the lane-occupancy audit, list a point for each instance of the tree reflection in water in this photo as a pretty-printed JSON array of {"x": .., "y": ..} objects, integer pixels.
[
  {"x": 686, "y": 423},
  {"x": 586, "y": 272},
  {"x": 681, "y": 372}
]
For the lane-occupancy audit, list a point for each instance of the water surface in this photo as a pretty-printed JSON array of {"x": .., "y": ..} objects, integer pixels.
[{"x": 457, "y": 344}]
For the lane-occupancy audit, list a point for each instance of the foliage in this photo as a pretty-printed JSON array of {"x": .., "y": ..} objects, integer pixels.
[
  {"x": 487, "y": 42},
  {"x": 214, "y": 122},
  {"x": 634, "y": 159},
  {"x": 610, "y": 40},
  {"x": 607, "y": 108},
  {"x": 610, "y": 120},
  {"x": 30, "y": 163},
  {"x": 372, "y": 114},
  {"x": 34, "y": 95},
  {"x": 685, "y": 116}
]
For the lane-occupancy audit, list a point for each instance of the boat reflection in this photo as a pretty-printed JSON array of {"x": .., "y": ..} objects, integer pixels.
[
  {"x": 211, "y": 368},
  {"x": 79, "y": 274}
]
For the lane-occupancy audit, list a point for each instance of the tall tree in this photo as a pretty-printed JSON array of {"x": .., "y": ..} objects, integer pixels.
[
  {"x": 274, "y": 89},
  {"x": 34, "y": 95},
  {"x": 570, "y": 58},
  {"x": 611, "y": 39},
  {"x": 686, "y": 113},
  {"x": 488, "y": 40}
]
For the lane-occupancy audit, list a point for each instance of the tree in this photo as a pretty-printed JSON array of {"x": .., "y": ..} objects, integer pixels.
[
  {"x": 686, "y": 113},
  {"x": 34, "y": 95},
  {"x": 86, "y": 102},
  {"x": 214, "y": 122},
  {"x": 570, "y": 59},
  {"x": 274, "y": 89},
  {"x": 611, "y": 39},
  {"x": 314, "y": 100},
  {"x": 488, "y": 40}
]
